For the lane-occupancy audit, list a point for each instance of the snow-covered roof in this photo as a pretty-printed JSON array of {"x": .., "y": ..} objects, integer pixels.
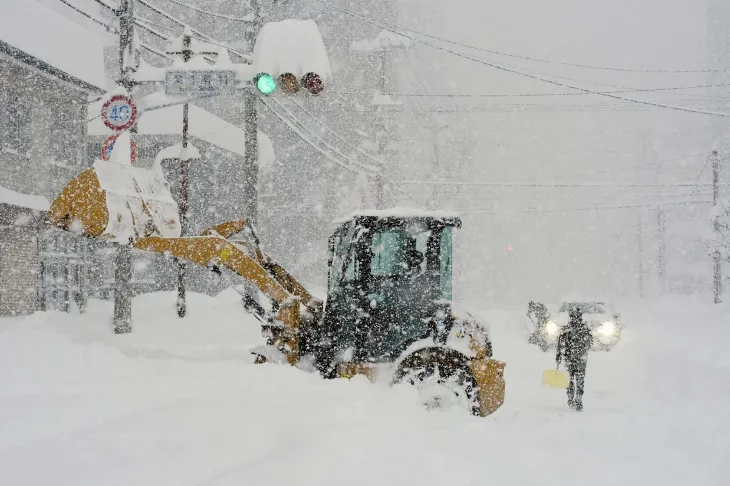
[
  {"x": 399, "y": 213},
  {"x": 39, "y": 203},
  {"x": 291, "y": 46},
  {"x": 54, "y": 39},
  {"x": 202, "y": 125}
]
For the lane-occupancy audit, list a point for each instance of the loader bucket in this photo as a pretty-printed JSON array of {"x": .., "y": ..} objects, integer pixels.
[
  {"x": 489, "y": 374},
  {"x": 117, "y": 202}
]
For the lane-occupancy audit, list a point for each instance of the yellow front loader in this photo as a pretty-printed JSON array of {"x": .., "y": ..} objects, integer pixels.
[{"x": 388, "y": 314}]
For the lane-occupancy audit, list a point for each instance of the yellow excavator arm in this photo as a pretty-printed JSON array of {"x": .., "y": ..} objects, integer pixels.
[{"x": 130, "y": 205}]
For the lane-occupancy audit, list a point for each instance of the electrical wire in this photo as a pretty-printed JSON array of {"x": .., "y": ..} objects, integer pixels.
[
  {"x": 202, "y": 35},
  {"x": 380, "y": 163},
  {"x": 371, "y": 170},
  {"x": 89, "y": 16},
  {"x": 105, "y": 5},
  {"x": 554, "y": 184},
  {"x": 381, "y": 169},
  {"x": 214, "y": 14},
  {"x": 531, "y": 76},
  {"x": 149, "y": 23},
  {"x": 534, "y": 59},
  {"x": 586, "y": 208},
  {"x": 531, "y": 95},
  {"x": 304, "y": 138}
]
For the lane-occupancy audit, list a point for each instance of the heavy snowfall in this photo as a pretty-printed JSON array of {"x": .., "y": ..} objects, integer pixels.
[{"x": 378, "y": 242}]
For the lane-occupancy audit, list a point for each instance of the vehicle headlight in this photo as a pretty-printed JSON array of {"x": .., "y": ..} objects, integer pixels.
[
  {"x": 608, "y": 328},
  {"x": 551, "y": 328}
]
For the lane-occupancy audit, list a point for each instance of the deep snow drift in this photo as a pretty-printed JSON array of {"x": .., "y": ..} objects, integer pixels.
[{"x": 178, "y": 402}]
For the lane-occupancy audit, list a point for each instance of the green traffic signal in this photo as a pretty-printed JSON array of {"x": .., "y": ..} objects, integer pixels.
[{"x": 265, "y": 83}]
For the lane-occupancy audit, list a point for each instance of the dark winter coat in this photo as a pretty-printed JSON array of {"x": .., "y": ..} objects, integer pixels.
[{"x": 573, "y": 345}]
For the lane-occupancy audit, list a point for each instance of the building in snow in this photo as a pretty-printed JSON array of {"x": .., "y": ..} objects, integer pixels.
[{"x": 46, "y": 78}]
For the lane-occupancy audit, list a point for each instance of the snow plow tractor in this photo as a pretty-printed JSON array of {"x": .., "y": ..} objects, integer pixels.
[{"x": 388, "y": 313}]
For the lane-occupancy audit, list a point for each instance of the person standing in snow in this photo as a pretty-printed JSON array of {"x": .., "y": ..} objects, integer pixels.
[{"x": 573, "y": 345}]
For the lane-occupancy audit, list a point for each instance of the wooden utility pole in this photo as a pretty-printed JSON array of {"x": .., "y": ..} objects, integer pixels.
[
  {"x": 123, "y": 263},
  {"x": 250, "y": 117},
  {"x": 716, "y": 257}
]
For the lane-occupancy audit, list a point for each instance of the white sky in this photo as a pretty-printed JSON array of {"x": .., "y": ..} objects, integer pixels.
[{"x": 568, "y": 142}]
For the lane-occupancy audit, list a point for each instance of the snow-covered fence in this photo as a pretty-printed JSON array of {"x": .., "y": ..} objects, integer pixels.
[{"x": 64, "y": 271}]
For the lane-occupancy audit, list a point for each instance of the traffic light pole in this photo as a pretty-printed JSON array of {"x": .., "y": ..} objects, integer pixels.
[{"x": 122, "y": 320}]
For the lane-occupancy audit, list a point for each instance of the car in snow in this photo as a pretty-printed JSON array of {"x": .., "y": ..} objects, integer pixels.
[{"x": 548, "y": 320}]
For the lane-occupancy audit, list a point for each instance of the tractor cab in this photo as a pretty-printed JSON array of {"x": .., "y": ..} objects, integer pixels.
[{"x": 390, "y": 278}]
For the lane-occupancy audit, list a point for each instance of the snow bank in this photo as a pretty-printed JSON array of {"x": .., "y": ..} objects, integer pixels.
[
  {"x": 291, "y": 46},
  {"x": 38, "y": 203},
  {"x": 59, "y": 36},
  {"x": 175, "y": 402}
]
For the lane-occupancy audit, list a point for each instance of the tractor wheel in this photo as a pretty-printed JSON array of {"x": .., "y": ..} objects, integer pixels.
[{"x": 442, "y": 386}]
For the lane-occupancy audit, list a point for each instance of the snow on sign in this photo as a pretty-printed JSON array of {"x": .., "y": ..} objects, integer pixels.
[
  {"x": 108, "y": 146},
  {"x": 192, "y": 82},
  {"x": 119, "y": 112}
]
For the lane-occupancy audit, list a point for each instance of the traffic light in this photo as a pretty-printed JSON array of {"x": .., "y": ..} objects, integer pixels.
[
  {"x": 265, "y": 83},
  {"x": 312, "y": 83},
  {"x": 288, "y": 82}
]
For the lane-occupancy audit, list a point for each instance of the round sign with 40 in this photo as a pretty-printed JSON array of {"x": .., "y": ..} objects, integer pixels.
[{"x": 119, "y": 112}]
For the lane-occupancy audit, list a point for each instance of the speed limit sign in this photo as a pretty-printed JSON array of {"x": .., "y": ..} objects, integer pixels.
[
  {"x": 108, "y": 146},
  {"x": 119, "y": 112}
]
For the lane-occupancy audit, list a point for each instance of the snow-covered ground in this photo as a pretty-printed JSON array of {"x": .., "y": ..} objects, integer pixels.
[{"x": 179, "y": 402}]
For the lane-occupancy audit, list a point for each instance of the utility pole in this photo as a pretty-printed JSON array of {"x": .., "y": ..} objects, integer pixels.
[
  {"x": 186, "y": 53},
  {"x": 250, "y": 114},
  {"x": 640, "y": 244},
  {"x": 122, "y": 320},
  {"x": 380, "y": 132},
  {"x": 716, "y": 257},
  {"x": 662, "y": 248}
]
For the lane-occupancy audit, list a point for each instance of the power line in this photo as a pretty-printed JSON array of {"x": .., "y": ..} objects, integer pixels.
[
  {"x": 585, "y": 208},
  {"x": 534, "y": 59},
  {"x": 89, "y": 16},
  {"x": 334, "y": 149},
  {"x": 553, "y": 184},
  {"x": 304, "y": 138},
  {"x": 517, "y": 95},
  {"x": 207, "y": 39},
  {"x": 380, "y": 163},
  {"x": 309, "y": 141},
  {"x": 213, "y": 14},
  {"x": 530, "y": 76},
  {"x": 201, "y": 35},
  {"x": 105, "y": 5}
]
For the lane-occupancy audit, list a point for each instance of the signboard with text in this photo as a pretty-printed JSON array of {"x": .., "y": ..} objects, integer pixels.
[{"x": 191, "y": 82}]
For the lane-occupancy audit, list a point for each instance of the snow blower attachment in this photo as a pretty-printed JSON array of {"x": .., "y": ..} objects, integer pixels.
[
  {"x": 388, "y": 314},
  {"x": 116, "y": 202}
]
